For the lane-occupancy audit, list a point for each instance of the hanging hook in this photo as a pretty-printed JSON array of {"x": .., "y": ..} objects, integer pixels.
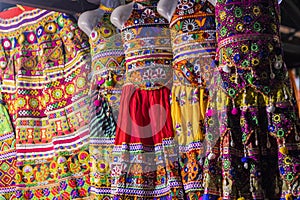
[{"x": 21, "y": 7}]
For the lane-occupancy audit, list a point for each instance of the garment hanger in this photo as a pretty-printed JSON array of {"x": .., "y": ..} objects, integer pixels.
[{"x": 21, "y": 7}]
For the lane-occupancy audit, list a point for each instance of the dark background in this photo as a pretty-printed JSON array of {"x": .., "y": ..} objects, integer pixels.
[{"x": 290, "y": 17}]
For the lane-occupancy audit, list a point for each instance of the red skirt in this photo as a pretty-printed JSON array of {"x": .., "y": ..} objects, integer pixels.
[
  {"x": 145, "y": 116},
  {"x": 145, "y": 154}
]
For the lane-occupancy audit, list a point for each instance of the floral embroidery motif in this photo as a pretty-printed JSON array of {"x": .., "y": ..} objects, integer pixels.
[{"x": 140, "y": 42}]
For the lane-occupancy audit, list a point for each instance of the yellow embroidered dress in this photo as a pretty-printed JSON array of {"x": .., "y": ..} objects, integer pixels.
[{"x": 194, "y": 47}]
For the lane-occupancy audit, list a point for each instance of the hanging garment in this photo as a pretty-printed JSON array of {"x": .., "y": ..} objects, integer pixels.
[
  {"x": 44, "y": 69},
  {"x": 107, "y": 80},
  {"x": 145, "y": 164},
  {"x": 8, "y": 168},
  {"x": 252, "y": 141},
  {"x": 194, "y": 48}
]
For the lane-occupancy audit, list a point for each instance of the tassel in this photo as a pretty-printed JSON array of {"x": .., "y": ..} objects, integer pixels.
[
  {"x": 226, "y": 69},
  {"x": 297, "y": 138},
  {"x": 232, "y": 143},
  {"x": 210, "y": 113},
  {"x": 109, "y": 82},
  {"x": 272, "y": 75},
  {"x": 270, "y": 109},
  {"x": 97, "y": 102},
  {"x": 231, "y": 139},
  {"x": 256, "y": 138},
  {"x": 289, "y": 197},
  {"x": 283, "y": 150},
  {"x": 101, "y": 82},
  {"x": 278, "y": 63},
  {"x": 234, "y": 110},
  {"x": 237, "y": 77},
  {"x": 268, "y": 142},
  {"x": 285, "y": 94},
  {"x": 245, "y": 159},
  {"x": 211, "y": 156}
]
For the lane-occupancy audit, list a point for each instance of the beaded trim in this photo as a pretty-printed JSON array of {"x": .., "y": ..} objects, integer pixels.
[{"x": 246, "y": 37}]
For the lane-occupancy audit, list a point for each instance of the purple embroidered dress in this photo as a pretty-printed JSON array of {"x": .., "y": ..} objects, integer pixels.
[{"x": 251, "y": 119}]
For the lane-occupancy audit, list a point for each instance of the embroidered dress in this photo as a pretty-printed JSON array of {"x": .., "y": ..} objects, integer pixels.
[
  {"x": 44, "y": 68},
  {"x": 251, "y": 136},
  {"x": 145, "y": 164},
  {"x": 194, "y": 47},
  {"x": 107, "y": 80},
  {"x": 8, "y": 159}
]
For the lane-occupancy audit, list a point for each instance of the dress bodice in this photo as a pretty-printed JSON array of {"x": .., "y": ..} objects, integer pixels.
[
  {"x": 249, "y": 48},
  {"x": 147, "y": 47},
  {"x": 193, "y": 36},
  {"x": 107, "y": 54},
  {"x": 107, "y": 62}
]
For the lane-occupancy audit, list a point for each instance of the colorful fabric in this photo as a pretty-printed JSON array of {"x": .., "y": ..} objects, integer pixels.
[
  {"x": 8, "y": 168},
  {"x": 107, "y": 80},
  {"x": 251, "y": 120},
  {"x": 147, "y": 47},
  {"x": 193, "y": 35},
  {"x": 145, "y": 157},
  {"x": 44, "y": 69},
  {"x": 194, "y": 47},
  {"x": 187, "y": 111},
  {"x": 102, "y": 137},
  {"x": 107, "y": 62}
]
